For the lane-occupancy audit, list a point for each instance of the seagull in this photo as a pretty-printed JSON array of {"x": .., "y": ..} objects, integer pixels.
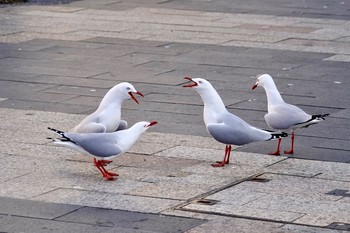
[
  {"x": 107, "y": 116},
  {"x": 224, "y": 126},
  {"x": 284, "y": 116},
  {"x": 103, "y": 146}
]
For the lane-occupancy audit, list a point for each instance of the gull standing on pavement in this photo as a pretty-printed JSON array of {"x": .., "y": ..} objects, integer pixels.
[
  {"x": 107, "y": 116},
  {"x": 223, "y": 125},
  {"x": 103, "y": 146},
  {"x": 281, "y": 115}
]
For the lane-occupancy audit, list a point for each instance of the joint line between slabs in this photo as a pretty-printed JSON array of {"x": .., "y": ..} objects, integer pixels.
[
  {"x": 255, "y": 218},
  {"x": 200, "y": 196}
]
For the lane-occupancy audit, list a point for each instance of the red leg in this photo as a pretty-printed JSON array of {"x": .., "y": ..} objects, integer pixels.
[
  {"x": 226, "y": 158},
  {"x": 277, "y": 152},
  {"x": 291, "y": 151},
  {"x": 102, "y": 170},
  {"x": 105, "y": 162},
  {"x": 228, "y": 148},
  {"x": 102, "y": 164}
]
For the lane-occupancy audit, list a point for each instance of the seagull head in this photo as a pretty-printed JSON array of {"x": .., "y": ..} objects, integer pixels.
[
  {"x": 197, "y": 83},
  {"x": 262, "y": 80},
  {"x": 129, "y": 91},
  {"x": 150, "y": 124},
  {"x": 142, "y": 126}
]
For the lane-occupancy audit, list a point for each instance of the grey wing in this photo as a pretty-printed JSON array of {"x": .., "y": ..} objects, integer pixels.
[
  {"x": 92, "y": 127},
  {"x": 101, "y": 145},
  {"x": 122, "y": 125},
  {"x": 239, "y": 134},
  {"x": 286, "y": 116}
]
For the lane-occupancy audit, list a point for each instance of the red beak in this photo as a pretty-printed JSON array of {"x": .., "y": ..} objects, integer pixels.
[
  {"x": 255, "y": 86},
  {"x": 193, "y": 84},
  {"x": 152, "y": 123},
  {"x": 134, "y": 98}
]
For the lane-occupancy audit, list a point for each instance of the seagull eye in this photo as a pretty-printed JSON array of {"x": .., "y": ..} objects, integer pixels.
[
  {"x": 200, "y": 82},
  {"x": 128, "y": 88}
]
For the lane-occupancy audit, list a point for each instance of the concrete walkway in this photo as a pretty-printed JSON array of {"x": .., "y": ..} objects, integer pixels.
[{"x": 56, "y": 62}]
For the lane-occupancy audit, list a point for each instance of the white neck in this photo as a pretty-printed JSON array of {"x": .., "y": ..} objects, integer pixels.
[
  {"x": 212, "y": 100},
  {"x": 213, "y": 105},
  {"x": 273, "y": 95},
  {"x": 126, "y": 140},
  {"x": 113, "y": 99}
]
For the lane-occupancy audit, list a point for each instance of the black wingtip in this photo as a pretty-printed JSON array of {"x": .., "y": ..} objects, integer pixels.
[
  {"x": 320, "y": 116},
  {"x": 62, "y": 134},
  {"x": 279, "y": 135},
  {"x": 56, "y": 131}
]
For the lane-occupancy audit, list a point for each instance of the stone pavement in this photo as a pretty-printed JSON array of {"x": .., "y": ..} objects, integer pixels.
[{"x": 57, "y": 61}]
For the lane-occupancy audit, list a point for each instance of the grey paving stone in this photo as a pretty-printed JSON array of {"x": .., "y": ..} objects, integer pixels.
[
  {"x": 342, "y": 114},
  {"x": 154, "y": 162},
  {"x": 109, "y": 200},
  {"x": 309, "y": 168},
  {"x": 72, "y": 81},
  {"x": 10, "y": 223},
  {"x": 105, "y": 51},
  {"x": 55, "y": 71},
  {"x": 22, "y": 47},
  {"x": 132, "y": 220},
  {"x": 109, "y": 40},
  {"x": 157, "y": 68},
  {"x": 12, "y": 76},
  {"x": 76, "y": 90},
  {"x": 160, "y": 49},
  {"x": 139, "y": 75},
  {"x": 228, "y": 59},
  {"x": 127, "y": 230},
  {"x": 226, "y": 224},
  {"x": 297, "y": 228},
  {"x": 46, "y": 106},
  {"x": 85, "y": 100},
  {"x": 301, "y": 150},
  {"x": 292, "y": 202},
  {"x": 64, "y": 43},
  {"x": 34, "y": 209},
  {"x": 44, "y": 97},
  {"x": 12, "y": 88}
]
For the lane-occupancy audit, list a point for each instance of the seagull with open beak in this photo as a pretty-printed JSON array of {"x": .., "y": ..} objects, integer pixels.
[
  {"x": 224, "y": 126},
  {"x": 107, "y": 117}
]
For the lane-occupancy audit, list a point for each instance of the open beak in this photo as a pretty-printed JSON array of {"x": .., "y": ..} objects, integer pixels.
[
  {"x": 193, "y": 84},
  {"x": 134, "y": 98},
  {"x": 152, "y": 123},
  {"x": 255, "y": 85}
]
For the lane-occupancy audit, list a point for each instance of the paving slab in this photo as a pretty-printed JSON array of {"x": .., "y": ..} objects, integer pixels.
[
  {"x": 34, "y": 225},
  {"x": 302, "y": 205},
  {"x": 35, "y": 209},
  {"x": 130, "y": 220},
  {"x": 108, "y": 200},
  {"x": 60, "y": 59}
]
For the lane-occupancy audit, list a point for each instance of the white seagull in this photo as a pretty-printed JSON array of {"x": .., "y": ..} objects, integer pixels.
[
  {"x": 281, "y": 115},
  {"x": 107, "y": 116},
  {"x": 223, "y": 125},
  {"x": 103, "y": 146}
]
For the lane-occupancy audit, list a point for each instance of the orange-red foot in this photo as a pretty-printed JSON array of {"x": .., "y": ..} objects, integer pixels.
[
  {"x": 289, "y": 152},
  {"x": 276, "y": 153},
  {"x": 112, "y": 173},
  {"x": 226, "y": 162},
  {"x": 108, "y": 177},
  {"x": 219, "y": 164}
]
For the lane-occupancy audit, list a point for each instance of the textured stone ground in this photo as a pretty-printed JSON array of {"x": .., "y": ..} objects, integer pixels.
[{"x": 57, "y": 61}]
